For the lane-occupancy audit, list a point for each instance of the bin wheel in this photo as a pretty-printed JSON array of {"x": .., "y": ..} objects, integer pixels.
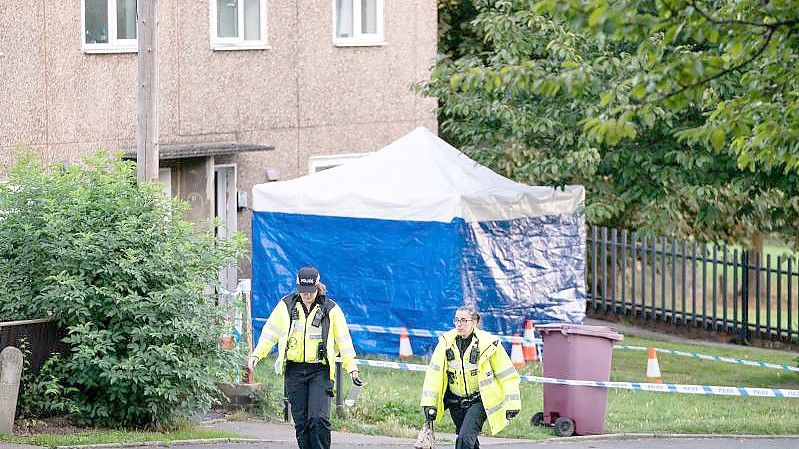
[
  {"x": 564, "y": 427},
  {"x": 537, "y": 419}
]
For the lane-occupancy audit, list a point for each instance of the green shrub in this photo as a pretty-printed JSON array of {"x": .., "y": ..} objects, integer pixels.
[{"x": 121, "y": 269}]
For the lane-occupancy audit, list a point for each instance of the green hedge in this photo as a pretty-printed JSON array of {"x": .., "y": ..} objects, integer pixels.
[{"x": 118, "y": 265}]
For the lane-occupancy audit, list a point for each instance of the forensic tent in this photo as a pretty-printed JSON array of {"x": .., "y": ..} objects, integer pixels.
[{"x": 405, "y": 235}]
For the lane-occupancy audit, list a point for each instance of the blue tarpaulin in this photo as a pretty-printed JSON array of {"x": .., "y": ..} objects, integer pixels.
[{"x": 404, "y": 236}]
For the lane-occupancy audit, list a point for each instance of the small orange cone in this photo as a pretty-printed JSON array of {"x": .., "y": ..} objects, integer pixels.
[
  {"x": 652, "y": 367},
  {"x": 528, "y": 347},
  {"x": 405, "y": 350},
  {"x": 516, "y": 353}
]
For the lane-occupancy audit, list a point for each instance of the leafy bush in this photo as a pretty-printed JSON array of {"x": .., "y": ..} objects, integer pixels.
[
  {"x": 118, "y": 265},
  {"x": 44, "y": 394}
]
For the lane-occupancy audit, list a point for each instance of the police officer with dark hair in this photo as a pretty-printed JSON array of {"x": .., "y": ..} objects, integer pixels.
[
  {"x": 310, "y": 331},
  {"x": 470, "y": 374}
]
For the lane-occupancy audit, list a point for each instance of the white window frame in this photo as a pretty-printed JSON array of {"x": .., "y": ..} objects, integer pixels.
[
  {"x": 360, "y": 39},
  {"x": 238, "y": 43},
  {"x": 319, "y": 163},
  {"x": 114, "y": 45}
]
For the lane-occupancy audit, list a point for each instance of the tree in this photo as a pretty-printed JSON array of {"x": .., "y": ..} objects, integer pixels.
[
  {"x": 734, "y": 61},
  {"x": 499, "y": 104},
  {"x": 516, "y": 98},
  {"x": 118, "y": 266},
  {"x": 456, "y": 37}
]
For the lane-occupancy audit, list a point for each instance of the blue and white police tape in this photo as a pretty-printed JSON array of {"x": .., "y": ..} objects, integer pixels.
[
  {"x": 658, "y": 388},
  {"x": 538, "y": 341},
  {"x": 674, "y": 388},
  {"x": 713, "y": 358},
  {"x": 427, "y": 333},
  {"x": 511, "y": 339},
  {"x": 392, "y": 365}
]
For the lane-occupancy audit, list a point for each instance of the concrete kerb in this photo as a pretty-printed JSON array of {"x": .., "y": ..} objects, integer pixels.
[
  {"x": 168, "y": 443},
  {"x": 638, "y": 436},
  {"x": 612, "y": 436}
]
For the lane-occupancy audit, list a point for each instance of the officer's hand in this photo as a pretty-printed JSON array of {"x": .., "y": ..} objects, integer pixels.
[
  {"x": 510, "y": 414},
  {"x": 251, "y": 362},
  {"x": 429, "y": 413},
  {"x": 248, "y": 376}
]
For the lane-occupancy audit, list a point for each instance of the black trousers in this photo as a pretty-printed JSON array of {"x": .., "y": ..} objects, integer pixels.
[
  {"x": 468, "y": 424},
  {"x": 309, "y": 390}
]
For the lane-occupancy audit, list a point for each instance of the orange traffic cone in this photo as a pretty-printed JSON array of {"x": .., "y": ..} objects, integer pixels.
[
  {"x": 516, "y": 354},
  {"x": 528, "y": 347},
  {"x": 652, "y": 367},
  {"x": 405, "y": 350}
]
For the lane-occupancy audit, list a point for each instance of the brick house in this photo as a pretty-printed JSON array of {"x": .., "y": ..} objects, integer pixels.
[{"x": 250, "y": 90}]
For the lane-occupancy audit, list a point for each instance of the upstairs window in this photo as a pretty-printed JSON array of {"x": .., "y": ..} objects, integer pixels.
[
  {"x": 109, "y": 26},
  {"x": 358, "y": 22},
  {"x": 238, "y": 24}
]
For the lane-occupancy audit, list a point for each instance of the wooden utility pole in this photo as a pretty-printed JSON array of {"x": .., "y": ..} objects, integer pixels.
[{"x": 147, "y": 91}]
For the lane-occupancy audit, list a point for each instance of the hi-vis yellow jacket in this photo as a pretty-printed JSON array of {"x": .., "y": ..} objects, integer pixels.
[
  {"x": 497, "y": 379},
  {"x": 301, "y": 342}
]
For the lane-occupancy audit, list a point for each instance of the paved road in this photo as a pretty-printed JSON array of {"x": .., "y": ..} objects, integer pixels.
[
  {"x": 281, "y": 436},
  {"x": 626, "y": 443},
  {"x": 643, "y": 443}
]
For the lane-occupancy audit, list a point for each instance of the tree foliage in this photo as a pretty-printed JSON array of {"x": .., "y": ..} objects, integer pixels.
[
  {"x": 499, "y": 103},
  {"x": 120, "y": 268},
  {"x": 530, "y": 94},
  {"x": 735, "y": 61}
]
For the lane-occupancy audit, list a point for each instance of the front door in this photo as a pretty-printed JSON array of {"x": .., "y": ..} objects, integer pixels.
[{"x": 225, "y": 212}]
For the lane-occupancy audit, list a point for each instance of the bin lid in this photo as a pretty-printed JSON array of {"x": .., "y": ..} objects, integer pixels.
[{"x": 582, "y": 329}]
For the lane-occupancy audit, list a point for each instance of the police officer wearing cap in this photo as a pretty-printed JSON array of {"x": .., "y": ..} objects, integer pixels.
[
  {"x": 471, "y": 375},
  {"x": 310, "y": 331}
]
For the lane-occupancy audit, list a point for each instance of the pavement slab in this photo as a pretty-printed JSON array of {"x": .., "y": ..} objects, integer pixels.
[
  {"x": 281, "y": 435},
  {"x": 278, "y": 435}
]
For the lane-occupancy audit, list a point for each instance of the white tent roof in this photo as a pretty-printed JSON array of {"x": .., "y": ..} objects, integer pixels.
[{"x": 418, "y": 177}]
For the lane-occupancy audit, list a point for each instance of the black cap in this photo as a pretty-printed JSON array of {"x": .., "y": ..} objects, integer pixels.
[{"x": 307, "y": 279}]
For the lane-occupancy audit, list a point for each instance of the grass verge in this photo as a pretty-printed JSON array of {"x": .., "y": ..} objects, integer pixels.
[
  {"x": 99, "y": 436},
  {"x": 389, "y": 402}
]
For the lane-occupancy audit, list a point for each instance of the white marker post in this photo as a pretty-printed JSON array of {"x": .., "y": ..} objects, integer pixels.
[{"x": 10, "y": 372}]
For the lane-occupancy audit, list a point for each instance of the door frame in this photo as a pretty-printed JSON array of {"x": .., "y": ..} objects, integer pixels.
[{"x": 228, "y": 276}]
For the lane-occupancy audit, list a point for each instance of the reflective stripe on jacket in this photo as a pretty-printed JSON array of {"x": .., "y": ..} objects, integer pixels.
[
  {"x": 276, "y": 330},
  {"x": 498, "y": 380}
]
